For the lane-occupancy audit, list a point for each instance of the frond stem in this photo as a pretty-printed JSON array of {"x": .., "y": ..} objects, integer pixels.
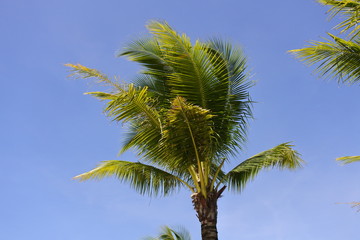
[
  {"x": 200, "y": 168},
  {"x": 216, "y": 174}
]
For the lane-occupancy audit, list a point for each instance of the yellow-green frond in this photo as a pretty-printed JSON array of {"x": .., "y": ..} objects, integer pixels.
[
  {"x": 281, "y": 156},
  {"x": 190, "y": 63},
  {"x": 134, "y": 103},
  {"x": 348, "y": 159},
  {"x": 144, "y": 178},
  {"x": 188, "y": 132},
  {"x": 348, "y": 9},
  {"x": 80, "y": 71},
  {"x": 339, "y": 59},
  {"x": 102, "y": 95}
]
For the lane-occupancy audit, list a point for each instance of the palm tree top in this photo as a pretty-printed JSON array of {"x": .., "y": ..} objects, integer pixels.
[{"x": 187, "y": 112}]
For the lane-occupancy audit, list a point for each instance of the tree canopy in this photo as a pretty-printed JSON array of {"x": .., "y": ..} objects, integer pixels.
[{"x": 187, "y": 113}]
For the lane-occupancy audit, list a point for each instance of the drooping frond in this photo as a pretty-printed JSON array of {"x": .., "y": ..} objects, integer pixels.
[
  {"x": 157, "y": 87},
  {"x": 156, "y": 70},
  {"x": 136, "y": 106},
  {"x": 281, "y": 156},
  {"x": 127, "y": 103},
  {"x": 338, "y": 59},
  {"x": 143, "y": 178},
  {"x": 350, "y": 10},
  {"x": 133, "y": 103},
  {"x": 348, "y": 159},
  {"x": 147, "y": 52}
]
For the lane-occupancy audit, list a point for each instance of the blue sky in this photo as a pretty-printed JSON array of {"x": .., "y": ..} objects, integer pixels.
[{"x": 51, "y": 132}]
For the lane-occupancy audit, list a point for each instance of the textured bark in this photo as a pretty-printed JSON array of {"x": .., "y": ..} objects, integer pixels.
[{"x": 206, "y": 210}]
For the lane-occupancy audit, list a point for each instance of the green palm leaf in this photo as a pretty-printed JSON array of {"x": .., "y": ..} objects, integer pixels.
[
  {"x": 281, "y": 156},
  {"x": 156, "y": 70},
  {"x": 232, "y": 107},
  {"x": 144, "y": 178},
  {"x": 171, "y": 234},
  {"x": 338, "y": 59},
  {"x": 147, "y": 52},
  {"x": 189, "y": 131},
  {"x": 350, "y": 9},
  {"x": 194, "y": 74},
  {"x": 128, "y": 103}
]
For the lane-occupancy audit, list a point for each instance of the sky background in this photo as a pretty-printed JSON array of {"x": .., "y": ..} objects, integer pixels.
[{"x": 51, "y": 132}]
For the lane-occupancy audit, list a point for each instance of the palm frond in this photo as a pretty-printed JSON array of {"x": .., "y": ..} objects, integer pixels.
[
  {"x": 168, "y": 233},
  {"x": 148, "y": 53},
  {"x": 133, "y": 103},
  {"x": 188, "y": 140},
  {"x": 127, "y": 103},
  {"x": 143, "y": 178},
  {"x": 348, "y": 159},
  {"x": 157, "y": 87},
  {"x": 188, "y": 131},
  {"x": 232, "y": 106},
  {"x": 135, "y": 106},
  {"x": 281, "y": 156},
  {"x": 350, "y": 10},
  {"x": 80, "y": 71},
  {"x": 338, "y": 59},
  {"x": 102, "y": 95},
  {"x": 191, "y": 78}
]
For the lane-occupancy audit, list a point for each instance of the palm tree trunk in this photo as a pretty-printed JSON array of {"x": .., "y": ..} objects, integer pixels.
[{"x": 206, "y": 209}]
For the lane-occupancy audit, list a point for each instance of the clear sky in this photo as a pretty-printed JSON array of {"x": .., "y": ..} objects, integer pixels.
[{"x": 51, "y": 132}]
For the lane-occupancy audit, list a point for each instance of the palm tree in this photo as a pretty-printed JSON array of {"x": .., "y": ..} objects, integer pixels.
[
  {"x": 170, "y": 234},
  {"x": 187, "y": 113},
  {"x": 337, "y": 57}
]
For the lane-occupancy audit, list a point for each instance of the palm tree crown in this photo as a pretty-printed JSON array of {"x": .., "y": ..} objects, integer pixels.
[{"x": 187, "y": 112}]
